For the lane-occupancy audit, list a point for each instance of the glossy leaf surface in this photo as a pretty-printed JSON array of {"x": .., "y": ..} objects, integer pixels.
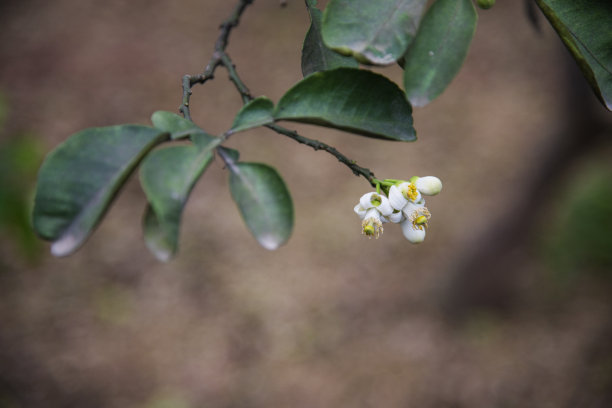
[
  {"x": 439, "y": 49},
  {"x": 585, "y": 26},
  {"x": 174, "y": 124},
  {"x": 79, "y": 179},
  {"x": 180, "y": 128},
  {"x": 358, "y": 101},
  {"x": 167, "y": 176},
  {"x": 315, "y": 55},
  {"x": 264, "y": 202},
  {"x": 231, "y": 154},
  {"x": 373, "y": 32},
  {"x": 257, "y": 112}
]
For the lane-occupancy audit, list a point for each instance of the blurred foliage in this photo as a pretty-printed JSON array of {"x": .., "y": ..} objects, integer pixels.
[
  {"x": 167, "y": 400},
  {"x": 20, "y": 157},
  {"x": 581, "y": 239}
]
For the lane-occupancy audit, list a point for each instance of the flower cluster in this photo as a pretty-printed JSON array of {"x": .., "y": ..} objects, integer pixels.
[{"x": 403, "y": 204}]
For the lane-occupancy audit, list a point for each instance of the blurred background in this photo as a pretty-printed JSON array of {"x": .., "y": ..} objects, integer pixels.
[{"x": 506, "y": 304}]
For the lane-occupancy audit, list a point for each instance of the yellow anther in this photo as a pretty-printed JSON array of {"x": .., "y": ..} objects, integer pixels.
[
  {"x": 419, "y": 218},
  {"x": 372, "y": 227},
  {"x": 411, "y": 192}
]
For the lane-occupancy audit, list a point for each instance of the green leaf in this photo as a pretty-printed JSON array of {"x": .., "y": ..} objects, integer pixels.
[
  {"x": 79, "y": 179},
  {"x": 439, "y": 49},
  {"x": 585, "y": 28},
  {"x": 354, "y": 100},
  {"x": 315, "y": 55},
  {"x": 232, "y": 154},
  {"x": 180, "y": 128},
  {"x": 257, "y": 112},
  {"x": 174, "y": 124},
  {"x": 167, "y": 176},
  {"x": 373, "y": 32},
  {"x": 264, "y": 202}
]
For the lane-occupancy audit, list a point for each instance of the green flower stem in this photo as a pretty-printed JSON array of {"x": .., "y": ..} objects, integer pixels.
[
  {"x": 385, "y": 184},
  {"x": 220, "y": 57}
]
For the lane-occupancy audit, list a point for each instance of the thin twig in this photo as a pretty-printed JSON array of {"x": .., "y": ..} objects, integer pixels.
[
  {"x": 220, "y": 57},
  {"x": 317, "y": 145},
  {"x": 220, "y": 45}
]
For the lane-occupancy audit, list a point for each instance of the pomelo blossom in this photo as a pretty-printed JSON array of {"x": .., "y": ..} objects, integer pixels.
[
  {"x": 373, "y": 209},
  {"x": 414, "y": 225},
  {"x": 405, "y": 205},
  {"x": 403, "y": 193}
]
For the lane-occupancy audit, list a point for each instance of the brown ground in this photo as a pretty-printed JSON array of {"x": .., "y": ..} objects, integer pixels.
[{"x": 331, "y": 319}]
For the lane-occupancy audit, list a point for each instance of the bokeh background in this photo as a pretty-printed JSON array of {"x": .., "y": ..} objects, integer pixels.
[{"x": 506, "y": 304}]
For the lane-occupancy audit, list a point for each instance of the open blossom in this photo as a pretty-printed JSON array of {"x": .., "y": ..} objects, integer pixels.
[
  {"x": 402, "y": 194},
  {"x": 404, "y": 205},
  {"x": 373, "y": 209},
  {"x": 375, "y": 200},
  {"x": 371, "y": 226},
  {"x": 415, "y": 225}
]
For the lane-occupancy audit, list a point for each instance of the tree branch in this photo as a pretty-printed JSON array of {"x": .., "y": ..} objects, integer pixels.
[
  {"x": 317, "y": 145},
  {"x": 220, "y": 57},
  {"x": 220, "y": 45}
]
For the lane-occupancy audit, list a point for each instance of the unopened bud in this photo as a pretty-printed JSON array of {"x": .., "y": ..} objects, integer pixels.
[{"x": 429, "y": 185}]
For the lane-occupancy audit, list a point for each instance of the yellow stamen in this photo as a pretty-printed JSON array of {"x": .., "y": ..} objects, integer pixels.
[
  {"x": 419, "y": 218},
  {"x": 411, "y": 192},
  {"x": 372, "y": 227}
]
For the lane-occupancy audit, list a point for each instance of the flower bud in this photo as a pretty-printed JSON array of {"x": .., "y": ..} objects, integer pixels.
[{"x": 429, "y": 185}]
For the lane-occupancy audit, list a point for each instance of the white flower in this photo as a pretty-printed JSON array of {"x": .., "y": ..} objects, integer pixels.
[
  {"x": 371, "y": 226},
  {"x": 375, "y": 200},
  {"x": 405, "y": 205},
  {"x": 428, "y": 185},
  {"x": 395, "y": 217},
  {"x": 403, "y": 193},
  {"x": 396, "y": 198},
  {"x": 415, "y": 225},
  {"x": 374, "y": 209},
  {"x": 360, "y": 211}
]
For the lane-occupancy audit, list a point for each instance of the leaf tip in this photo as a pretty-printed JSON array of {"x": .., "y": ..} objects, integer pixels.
[
  {"x": 269, "y": 242},
  {"x": 160, "y": 254},
  {"x": 65, "y": 245},
  {"x": 419, "y": 100}
]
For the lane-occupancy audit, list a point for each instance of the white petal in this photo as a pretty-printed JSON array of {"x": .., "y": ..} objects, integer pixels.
[
  {"x": 404, "y": 188},
  {"x": 396, "y": 217},
  {"x": 412, "y": 234},
  {"x": 372, "y": 224},
  {"x": 385, "y": 207},
  {"x": 366, "y": 200},
  {"x": 373, "y": 213},
  {"x": 360, "y": 211},
  {"x": 396, "y": 198},
  {"x": 429, "y": 185},
  {"x": 411, "y": 207}
]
